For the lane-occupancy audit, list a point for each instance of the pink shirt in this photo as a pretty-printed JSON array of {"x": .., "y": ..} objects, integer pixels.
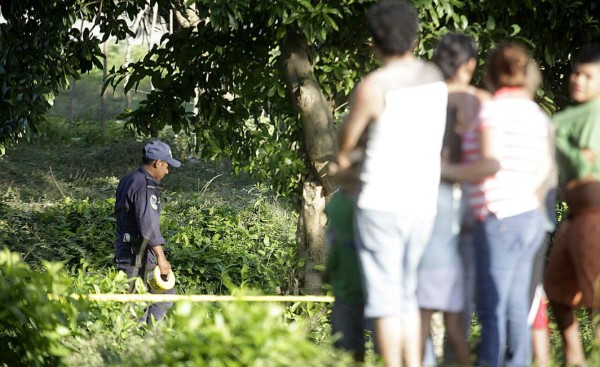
[{"x": 522, "y": 129}]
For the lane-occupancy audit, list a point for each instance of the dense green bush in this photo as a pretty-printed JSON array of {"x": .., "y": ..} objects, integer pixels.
[
  {"x": 212, "y": 248},
  {"x": 33, "y": 325},
  {"x": 43, "y": 326},
  {"x": 66, "y": 231},
  {"x": 241, "y": 334}
]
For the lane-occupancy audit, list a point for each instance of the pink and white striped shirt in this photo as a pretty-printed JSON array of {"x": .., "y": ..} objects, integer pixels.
[{"x": 521, "y": 129}]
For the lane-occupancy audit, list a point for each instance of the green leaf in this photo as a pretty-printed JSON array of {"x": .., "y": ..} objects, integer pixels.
[
  {"x": 307, "y": 5},
  {"x": 515, "y": 30},
  {"x": 322, "y": 34},
  {"x": 491, "y": 23},
  {"x": 331, "y": 22},
  {"x": 548, "y": 57},
  {"x": 464, "y": 22},
  {"x": 434, "y": 16}
]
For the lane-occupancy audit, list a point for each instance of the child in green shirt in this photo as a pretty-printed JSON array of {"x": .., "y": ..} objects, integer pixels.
[
  {"x": 574, "y": 265},
  {"x": 343, "y": 272}
]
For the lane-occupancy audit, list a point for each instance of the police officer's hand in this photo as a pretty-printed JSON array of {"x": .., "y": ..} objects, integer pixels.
[
  {"x": 161, "y": 259},
  {"x": 164, "y": 266}
]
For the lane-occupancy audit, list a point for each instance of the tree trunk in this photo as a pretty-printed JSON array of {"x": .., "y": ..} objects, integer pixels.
[
  {"x": 152, "y": 26},
  {"x": 103, "y": 96},
  {"x": 310, "y": 235},
  {"x": 190, "y": 18},
  {"x": 316, "y": 119},
  {"x": 126, "y": 64},
  {"x": 134, "y": 28},
  {"x": 72, "y": 101},
  {"x": 151, "y": 33}
]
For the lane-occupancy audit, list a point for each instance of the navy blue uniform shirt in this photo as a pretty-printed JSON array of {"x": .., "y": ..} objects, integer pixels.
[{"x": 137, "y": 210}]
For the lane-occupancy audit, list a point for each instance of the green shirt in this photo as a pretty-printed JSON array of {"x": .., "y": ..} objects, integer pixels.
[
  {"x": 342, "y": 259},
  {"x": 578, "y": 128}
]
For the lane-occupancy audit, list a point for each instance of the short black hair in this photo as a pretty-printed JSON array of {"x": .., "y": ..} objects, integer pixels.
[
  {"x": 589, "y": 54},
  {"x": 146, "y": 161},
  {"x": 452, "y": 51},
  {"x": 394, "y": 26}
]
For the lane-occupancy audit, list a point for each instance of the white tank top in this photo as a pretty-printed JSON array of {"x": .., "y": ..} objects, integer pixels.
[{"x": 401, "y": 170}]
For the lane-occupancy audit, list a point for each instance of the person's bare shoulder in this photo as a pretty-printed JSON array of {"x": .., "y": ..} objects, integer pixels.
[
  {"x": 366, "y": 103},
  {"x": 409, "y": 73},
  {"x": 431, "y": 72},
  {"x": 378, "y": 78},
  {"x": 368, "y": 89}
]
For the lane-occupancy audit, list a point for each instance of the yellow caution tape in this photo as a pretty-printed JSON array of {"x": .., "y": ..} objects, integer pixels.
[
  {"x": 108, "y": 297},
  {"x": 157, "y": 283}
]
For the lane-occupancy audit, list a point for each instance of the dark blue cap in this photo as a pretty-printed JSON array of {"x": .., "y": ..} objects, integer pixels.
[{"x": 156, "y": 149}]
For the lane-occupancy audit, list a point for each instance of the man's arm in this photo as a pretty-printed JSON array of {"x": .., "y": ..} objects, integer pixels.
[
  {"x": 163, "y": 263},
  {"x": 486, "y": 166},
  {"x": 365, "y": 106},
  {"x": 577, "y": 145},
  {"x": 148, "y": 221}
]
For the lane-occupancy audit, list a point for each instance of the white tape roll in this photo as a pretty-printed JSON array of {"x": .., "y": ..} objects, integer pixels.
[{"x": 157, "y": 283}]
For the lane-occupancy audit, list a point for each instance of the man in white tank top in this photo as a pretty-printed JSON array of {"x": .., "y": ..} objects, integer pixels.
[{"x": 402, "y": 105}]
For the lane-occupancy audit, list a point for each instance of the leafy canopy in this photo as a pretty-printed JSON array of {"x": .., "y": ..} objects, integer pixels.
[
  {"x": 233, "y": 54},
  {"x": 42, "y": 49}
]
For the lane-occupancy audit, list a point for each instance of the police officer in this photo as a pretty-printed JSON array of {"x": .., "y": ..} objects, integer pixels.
[{"x": 139, "y": 242}]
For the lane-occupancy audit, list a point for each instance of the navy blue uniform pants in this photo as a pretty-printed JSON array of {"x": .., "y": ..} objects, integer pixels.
[{"x": 156, "y": 311}]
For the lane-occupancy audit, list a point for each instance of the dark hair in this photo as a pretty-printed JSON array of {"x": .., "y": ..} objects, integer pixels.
[
  {"x": 507, "y": 65},
  {"x": 589, "y": 54},
  {"x": 452, "y": 51},
  {"x": 394, "y": 26},
  {"x": 146, "y": 161}
]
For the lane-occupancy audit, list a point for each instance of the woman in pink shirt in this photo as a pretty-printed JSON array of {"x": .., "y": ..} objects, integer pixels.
[{"x": 506, "y": 162}]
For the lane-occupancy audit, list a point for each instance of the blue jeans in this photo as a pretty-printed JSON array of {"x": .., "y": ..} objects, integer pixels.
[{"x": 505, "y": 252}]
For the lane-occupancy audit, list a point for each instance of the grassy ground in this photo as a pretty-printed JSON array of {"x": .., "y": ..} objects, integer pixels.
[{"x": 83, "y": 161}]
